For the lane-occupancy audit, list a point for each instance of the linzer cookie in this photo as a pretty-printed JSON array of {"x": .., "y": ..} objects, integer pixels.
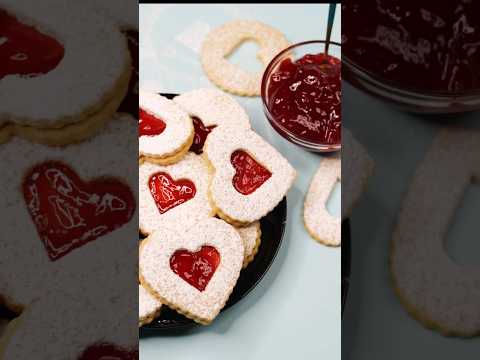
[
  {"x": 193, "y": 271},
  {"x": 123, "y": 12},
  {"x": 210, "y": 109},
  {"x": 62, "y": 208},
  {"x": 436, "y": 289},
  {"x": 70, "y": 65},
  {"x": 148, "y": 306},
  {"x": 222, "y": 41},
  {"x": 173, "y": 194},
  {"x": 165, "y": 130},
  {"x": 250, "y": 177},
  {"x": 251, "y": 236},
  {"x": 322, "y": 226}
]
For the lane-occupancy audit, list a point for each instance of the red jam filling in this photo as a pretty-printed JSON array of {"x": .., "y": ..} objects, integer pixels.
[
  {"x": 196, "y": 268},
  {"x": 169, "y": 193},
  {"x": 201, "y": 133},
  {"x": 428, "y": 45},
  {"x": 305, "y": 98},
  {"x": 249, "y": 174},
  {"x": 130, "y": 102},
  {"x": 24, "y": 50},
  {"x": 69, "y": 212},
  {"x": 149, "y": 125},
  {"x": 106, "y": 351}
]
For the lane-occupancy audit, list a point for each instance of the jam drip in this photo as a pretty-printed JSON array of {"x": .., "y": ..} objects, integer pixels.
[
  {"x": 305, "y": 97},
  {"x": 69, "y": 212},
  {"x": 169, "y": 193},
  {"x": 250, "y": 175},
  {"x": 196, "y": 268},
  {"x": 107, "y": 351},
  {"x": 201, "y": 133},
  {"x": 149, "y": 125},
  {"x": 26, "y": 51}
]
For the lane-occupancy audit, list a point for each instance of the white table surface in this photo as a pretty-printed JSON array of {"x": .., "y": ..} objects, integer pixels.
[
  {"x": 295, "y": 311},
  {"x": 375, "y": 325}
]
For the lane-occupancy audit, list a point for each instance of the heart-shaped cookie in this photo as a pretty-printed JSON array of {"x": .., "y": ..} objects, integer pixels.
[
  {"x": 174, "y": 194},
  {"x": 70, "y": 212},
  {"x": 165, "y": 130},
  {"x": 250, "y": 177},
  {"x": 210, "y": 109},
  {"x": 193, "y": 270},
  {"x": 71, "y": 49}
]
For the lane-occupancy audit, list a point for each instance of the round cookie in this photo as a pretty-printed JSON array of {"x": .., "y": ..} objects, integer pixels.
[
  {"x": 148, "y": 306},
  {"x": 173, "y": 195},
  {"x": 75, "y": 42},
  {"x": 251, "y": 236},
  {"x": 435, "y": 290},
  {"x": 193, "y": 270},
  {"x": 165, "y": 130},
  {"x": 322, "y": 226},
  {"x": 33, "y": 258},
  {"x": 250, "y": 177},
  {"x": 222, "y": 41}
]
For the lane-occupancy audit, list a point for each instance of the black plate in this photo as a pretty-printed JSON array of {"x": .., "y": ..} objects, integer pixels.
[
  {"x": 273, "y": 226},
  {"x": 346, "y": 259}
]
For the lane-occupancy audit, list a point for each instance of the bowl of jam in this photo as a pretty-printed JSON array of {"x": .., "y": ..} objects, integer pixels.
[
  {"x": 421, "y": 56},
  {"x": 301, "y": 93}
]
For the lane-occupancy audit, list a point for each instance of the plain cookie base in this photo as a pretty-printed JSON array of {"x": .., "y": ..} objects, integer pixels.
[
  {"x": 170, "y": 158},
  {"x": 254, "y": 252},
  {"x": 87, "y": 124}
]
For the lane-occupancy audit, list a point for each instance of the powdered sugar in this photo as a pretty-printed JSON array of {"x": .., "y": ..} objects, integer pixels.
[{"x": 148, "y": 306}]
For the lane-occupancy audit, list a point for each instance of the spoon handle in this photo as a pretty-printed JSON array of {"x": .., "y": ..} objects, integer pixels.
[{"x": 331, "y": 18}]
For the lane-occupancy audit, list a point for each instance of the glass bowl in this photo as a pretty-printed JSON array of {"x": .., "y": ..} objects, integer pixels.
[{"x": 295, "y": 52}]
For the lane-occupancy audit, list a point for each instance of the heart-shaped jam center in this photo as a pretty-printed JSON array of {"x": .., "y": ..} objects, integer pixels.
[
  {"x": 24, "y": 50},
  {"x": 149, "y": 124},
  {"x": 107, "y": 351},
  {"x": 130, "y": 102},
  {"x": 196, "y": 268},
  {"x": 69, "y": 212},
  {"x": 169, "y": 193},
  {"x": 201, "y": 133},
  {"x": 250, "y": 175}
]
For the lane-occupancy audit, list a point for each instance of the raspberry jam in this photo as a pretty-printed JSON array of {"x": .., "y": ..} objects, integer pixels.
[
  {"x": 196, "y": 268},
  {"x": 106, "y": 351},
  {"x": 24, "y": 50},
  {"x": 249, "y": 174},
  {"x": 427, "y": 46},
  {"x": 149, "y": 125},
  {"x": 69, "y": 212},
  {"x": 201, "y": 133},
  {"x": 169, "y": 193},
  {"x": 304, "y": 97}
]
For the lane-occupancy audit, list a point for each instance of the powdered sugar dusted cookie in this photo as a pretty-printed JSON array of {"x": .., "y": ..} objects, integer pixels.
[
  {"x": 357, "y": 168},
  {"x": 251, "y": 236},
  {"x": 148, "y": 306},
  {"x": 165, "y": 129},
  {"x": 321, "y": 225},
  {"x": 123, "y": 12},
  {"x": 437, "y": 291},
  {"x": 222, "y": 41},
  {"x": 78, "y": 70},
  {"x": 173, "y": 194},
  {"x": 193, "y": 271},
  {"x": 62, "y": 208},
  {"x": 211, "y": 109},
  {"x": 250, "y": 177}
]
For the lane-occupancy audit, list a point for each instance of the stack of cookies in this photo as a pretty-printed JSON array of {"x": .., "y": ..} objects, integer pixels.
[{"x": 205, "y": 180}]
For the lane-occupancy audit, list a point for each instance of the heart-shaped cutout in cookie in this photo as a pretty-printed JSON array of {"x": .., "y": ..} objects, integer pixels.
[
  {"x": 69, "y": 212},
  {"x": 196, "y": 268},
  {"x": 169, "y": 193},
  {"x": 201, "y": 133},
  {"x": 107, "y": 351},
  {"x": 249, "y": 174},
  {"x": 150, "y": 125},
  {"x": 24, "y": 50}
]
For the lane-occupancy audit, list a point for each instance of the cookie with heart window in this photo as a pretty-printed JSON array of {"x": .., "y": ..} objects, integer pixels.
[
  {"x": 173, "y": 195},
  {"x": 61, "y": 208},
  {"x": 193, "y": 270},
  {"x": 165, "y": 130},
  {"x": 71, "y": 66},
  {"x": 250, "y": 177}
]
